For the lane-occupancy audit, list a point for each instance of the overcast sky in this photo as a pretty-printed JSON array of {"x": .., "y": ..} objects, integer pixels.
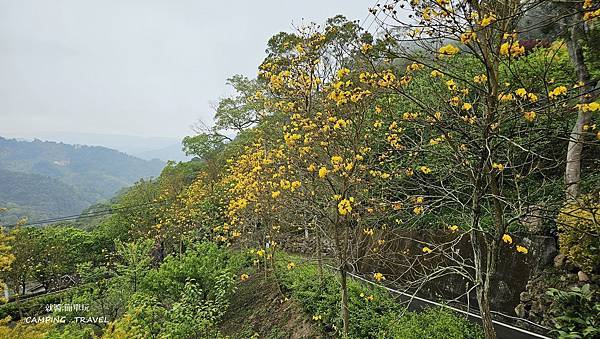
[{"x": 134, "y": 67}]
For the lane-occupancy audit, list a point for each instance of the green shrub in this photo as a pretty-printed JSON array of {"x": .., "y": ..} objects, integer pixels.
[
  {"x": 373, "y": 311},
  {"x": 430, "y": 323},
  {"x": 576, "y": 313}
]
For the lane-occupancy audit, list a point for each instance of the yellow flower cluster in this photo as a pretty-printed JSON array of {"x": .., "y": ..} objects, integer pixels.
[
  {"x": 448, "y": 50},
  {"x": 529, "y": 116},
  {"x": 558, "y": 91},
  {"x": 345, "y": 206},
  {"x": 512, "y": 48},
  {"x": 480, "y": 79},
  {"x": 487, "y": 20},
  {"x": 378, "y": 276},
  {"x": 522, "y": 249},
  {"x": 591, "y": 107}
]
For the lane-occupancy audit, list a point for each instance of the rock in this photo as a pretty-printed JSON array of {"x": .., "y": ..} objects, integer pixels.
[
  {"x": 533, "y": 219},
  {"x": 536, "y": 307},
  {"x": 524, "y": 296},
  {"x": 548, "y": 251},
  {"x": 569, "y": 266},
  {"x": 583, "y": 277},
  {"x": 559, "y": 260},
  {"x": 520, "y": 311}
]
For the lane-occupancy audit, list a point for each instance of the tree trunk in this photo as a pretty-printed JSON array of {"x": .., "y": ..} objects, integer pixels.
[
  {"x": 345, "y": 316},
  {"x": 482, "y": 280},
  {"x": 576, "y": 138},
  {"x": 482, "y": 289},
  {"x": 486, "y": 314},
  {"x": 319, "y": 257},
  {"x": 342, "y": 257}
]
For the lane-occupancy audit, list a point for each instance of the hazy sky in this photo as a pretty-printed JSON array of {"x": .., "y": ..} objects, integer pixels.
[{"x": 134, "y": 67}]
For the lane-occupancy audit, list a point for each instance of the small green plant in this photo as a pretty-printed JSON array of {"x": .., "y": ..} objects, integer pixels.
[
  {"x": 374, "y": 312},
  {"x": 576, "y": 313}
]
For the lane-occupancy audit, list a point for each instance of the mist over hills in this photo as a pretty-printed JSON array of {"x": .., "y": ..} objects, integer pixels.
[
  {"x": 43, "y": 179},
  {"x": 148, "y": 148}
]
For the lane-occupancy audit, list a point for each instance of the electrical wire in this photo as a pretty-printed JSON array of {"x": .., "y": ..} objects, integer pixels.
[{"x": 85, "y": 215}]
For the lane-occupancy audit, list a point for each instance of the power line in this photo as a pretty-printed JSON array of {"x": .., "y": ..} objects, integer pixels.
[{"x": 86, "y": 215}]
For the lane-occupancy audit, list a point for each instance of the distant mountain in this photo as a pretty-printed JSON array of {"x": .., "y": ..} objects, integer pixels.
[
  {"x": 89, "y": 173},
  {"x": 171, "y": 152},
  {"x": 37, "y": 197},
  {"x": 147, "y": 148}
]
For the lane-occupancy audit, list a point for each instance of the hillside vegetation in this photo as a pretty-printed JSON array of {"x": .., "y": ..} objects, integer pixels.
[
  {"x": 42, "y": 179},
  {"x": 38, "y": 196},
  {"x": 434, "y": 152}
]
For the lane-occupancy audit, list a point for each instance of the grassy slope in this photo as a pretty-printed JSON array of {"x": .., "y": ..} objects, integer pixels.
[{"x": 258, "y": 309}]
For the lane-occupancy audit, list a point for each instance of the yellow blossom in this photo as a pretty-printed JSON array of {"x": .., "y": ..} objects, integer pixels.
[
  {"x": 244, "y": 277},
  {"x": 342, "y": 72},
  {"x": 454, "y": 101},
  {"x": 285, "y": 184},
  {"x": 487, "y": 20},
  {"x": 507, "y": 239},
  {"x": 453, "y": 228},
  {"x": 323, "y": 172},
  {"x": 436, "y": 74},
  {"x": 466, "y": 37},
  {"x": 336, "y": 160},
  {"x": 522, "y": 249},
  {"x": 275, "y": 194},
  {"x": 479, "y": 79},
  {"x": 499, "y": 167},
  {"x": 345, "y": 206},
  {"x": 378, "y": 276},
  {"x": 558, "y": 91},
  {"x": 448, "y": 50},
  {"x": 591, "y": 107},
  {"x": 427, "y": 250},
  {"x": 529, "y": 116},
  {"x": 451, "y": 85},
  {"x": 291, "y": 265},
  {"x": 425, "y": 169},
  {"x": 532, "y": 97},
  {"x": 505, "y": 97},
  {"x": 368, "y": 231}
]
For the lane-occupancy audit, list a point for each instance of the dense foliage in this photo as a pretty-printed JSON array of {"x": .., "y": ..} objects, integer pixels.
[
  {"x": 42, "y": 179},
  {"x": 450, "y": 123},
  {"x": 375, "y": 313}
]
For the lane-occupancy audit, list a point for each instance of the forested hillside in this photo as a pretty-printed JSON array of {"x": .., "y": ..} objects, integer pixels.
[
  {"x": 37, "y": 196},
  {"x": 47, "y": 179},
  {"x": 379, "y": 185}
]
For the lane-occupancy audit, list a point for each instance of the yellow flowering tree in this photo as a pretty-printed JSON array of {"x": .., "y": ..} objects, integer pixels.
[{"x": 473, "y": 134}]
